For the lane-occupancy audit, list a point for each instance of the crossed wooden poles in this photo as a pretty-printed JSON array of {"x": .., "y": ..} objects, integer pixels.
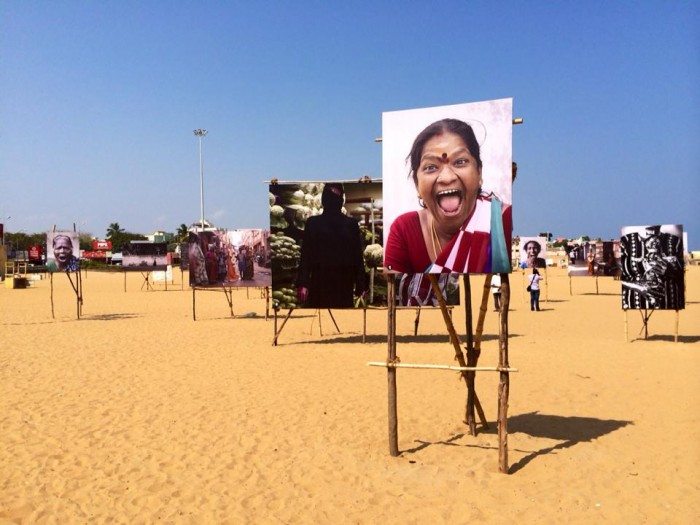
[{"x": 467, "y": 367}]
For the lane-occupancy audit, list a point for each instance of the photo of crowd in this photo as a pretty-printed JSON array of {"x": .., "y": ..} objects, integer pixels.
[
  {"x": 653, "y": 267},
  {"x": 229, "y": 257},
  {"x": 326, "y": 244}
]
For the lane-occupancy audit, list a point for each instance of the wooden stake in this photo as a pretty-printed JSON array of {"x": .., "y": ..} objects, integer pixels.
[
  {"x": 459, "y": 356},
  {"x": 52, "y": 312},
  {"x": 504, "y": 380},
  {"x": 80, "y": 294},
  {"x": 677, "y": 322},
  {"x": 416, "y": 321},
  {"x": 333, "y": 319},
  {"x": 472, "y": 358},
  {"x": 124, "y": 272},
  {"x": 646, "y": 325},
  {"x": 229, "y": 298},
  {"x": 596, "y": 285},
  {"x": 278, "y": 332},
  {"x": 194, "y": 314},
  {"x": 477, "y": 341},
  {"x": 482, "y": 314},
  {"x": 275, "y": 325},
  {"x": 364, "y": 324},
  {"x": 391, "y": 372}
]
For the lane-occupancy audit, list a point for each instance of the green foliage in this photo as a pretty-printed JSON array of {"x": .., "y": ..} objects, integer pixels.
[
  {"x": 22, "y": 241},
  {"x": 182, "y": 233},
  {"x": 122, "y": 238},
  {"x": 85, "y": 240},
  {"x": 114, "y": 229}
]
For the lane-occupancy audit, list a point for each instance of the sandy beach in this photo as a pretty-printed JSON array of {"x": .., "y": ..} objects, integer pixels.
[{"x": 138, "y": 414}]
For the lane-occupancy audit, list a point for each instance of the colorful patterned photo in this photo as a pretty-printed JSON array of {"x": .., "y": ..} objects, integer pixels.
[
  {"x": 238, "y": 258},
  {"x": 653, "y": 267}
]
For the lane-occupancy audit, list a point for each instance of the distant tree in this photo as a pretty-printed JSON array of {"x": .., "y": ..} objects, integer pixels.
[
  {"x": 585, "y": 238},
  {"x": 182, "y": 233},
  {"x": 123, "y": 238},
  {"x": 114, "y": 229},
  {"x": 22, "y": 241},
  {"x": 85, "y": 240}
]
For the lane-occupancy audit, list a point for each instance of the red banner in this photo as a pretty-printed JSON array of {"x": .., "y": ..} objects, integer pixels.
[
  {"x": 95, "y": 254},
  {"x": 34, "y": 253},
  {"x": 101, "y": 245}
]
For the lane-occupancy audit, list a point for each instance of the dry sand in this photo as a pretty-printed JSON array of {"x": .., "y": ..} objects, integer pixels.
[{"x": 138, "y": 414}]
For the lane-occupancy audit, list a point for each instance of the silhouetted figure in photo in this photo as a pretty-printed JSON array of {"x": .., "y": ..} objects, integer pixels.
[{"x": 331, "y": 265}]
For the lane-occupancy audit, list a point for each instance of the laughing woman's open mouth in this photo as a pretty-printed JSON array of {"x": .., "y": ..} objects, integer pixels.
[{"x": 450, "y": 201}]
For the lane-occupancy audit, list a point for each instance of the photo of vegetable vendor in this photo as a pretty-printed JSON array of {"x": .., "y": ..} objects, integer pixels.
[{"x": 326, "y": 245}]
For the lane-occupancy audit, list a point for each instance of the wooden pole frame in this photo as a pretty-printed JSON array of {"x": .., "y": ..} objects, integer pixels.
[
  {"x": 646, "y": 316},
  {"x": 466, "y": 368},
  {"x": 278, "y": 332},
  {"x": 77, "y": 289},
  {"x": 228, "y": 293}
]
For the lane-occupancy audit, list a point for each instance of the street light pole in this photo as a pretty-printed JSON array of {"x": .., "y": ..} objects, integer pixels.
[{"x": 200, "y": 134}]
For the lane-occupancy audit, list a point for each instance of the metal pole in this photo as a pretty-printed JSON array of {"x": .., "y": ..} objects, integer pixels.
[{"x": 200, "y": 134}]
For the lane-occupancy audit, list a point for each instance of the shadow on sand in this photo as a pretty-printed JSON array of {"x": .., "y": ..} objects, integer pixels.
[
  {"x": 109, "y": 317},
  {"x": 569, "y": 430},
  {"x": 374, "y": 338},
  {"x": 671, "y": 338}
]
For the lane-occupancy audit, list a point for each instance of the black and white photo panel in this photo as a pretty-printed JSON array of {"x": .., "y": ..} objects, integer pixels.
[{"x": 652, "y": 267}]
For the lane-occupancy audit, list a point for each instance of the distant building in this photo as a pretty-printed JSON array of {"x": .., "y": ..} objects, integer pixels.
[
  {"x": 160, "y": 236},
  {"x": 197, "y": 227}
]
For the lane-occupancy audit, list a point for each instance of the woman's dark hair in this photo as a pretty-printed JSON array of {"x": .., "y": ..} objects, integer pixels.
[
  {"x": 535, "y": 272},
  {"x": 539, "y": 246},
  {"x": 448, "y": 125}
]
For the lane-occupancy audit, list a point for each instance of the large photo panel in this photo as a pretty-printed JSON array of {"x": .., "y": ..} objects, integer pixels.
[
  {"x": 594, "y": 258},
  {"x": 63, "y": 251},
  {"x": 533, "y": 252},
  {"x": 238, "y": 258},
  {"x": 652, "y": 267},
  {"x": 326, "y": 244},
  {"x": 447, "y": 174},
  {"x": 145, "y": 256}
]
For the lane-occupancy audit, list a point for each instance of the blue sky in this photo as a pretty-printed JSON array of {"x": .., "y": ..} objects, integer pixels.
[{"x": 98, "y": 101}]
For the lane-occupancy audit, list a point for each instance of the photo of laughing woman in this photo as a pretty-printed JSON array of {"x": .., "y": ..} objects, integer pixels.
[{"x": 459, "y": 228}]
